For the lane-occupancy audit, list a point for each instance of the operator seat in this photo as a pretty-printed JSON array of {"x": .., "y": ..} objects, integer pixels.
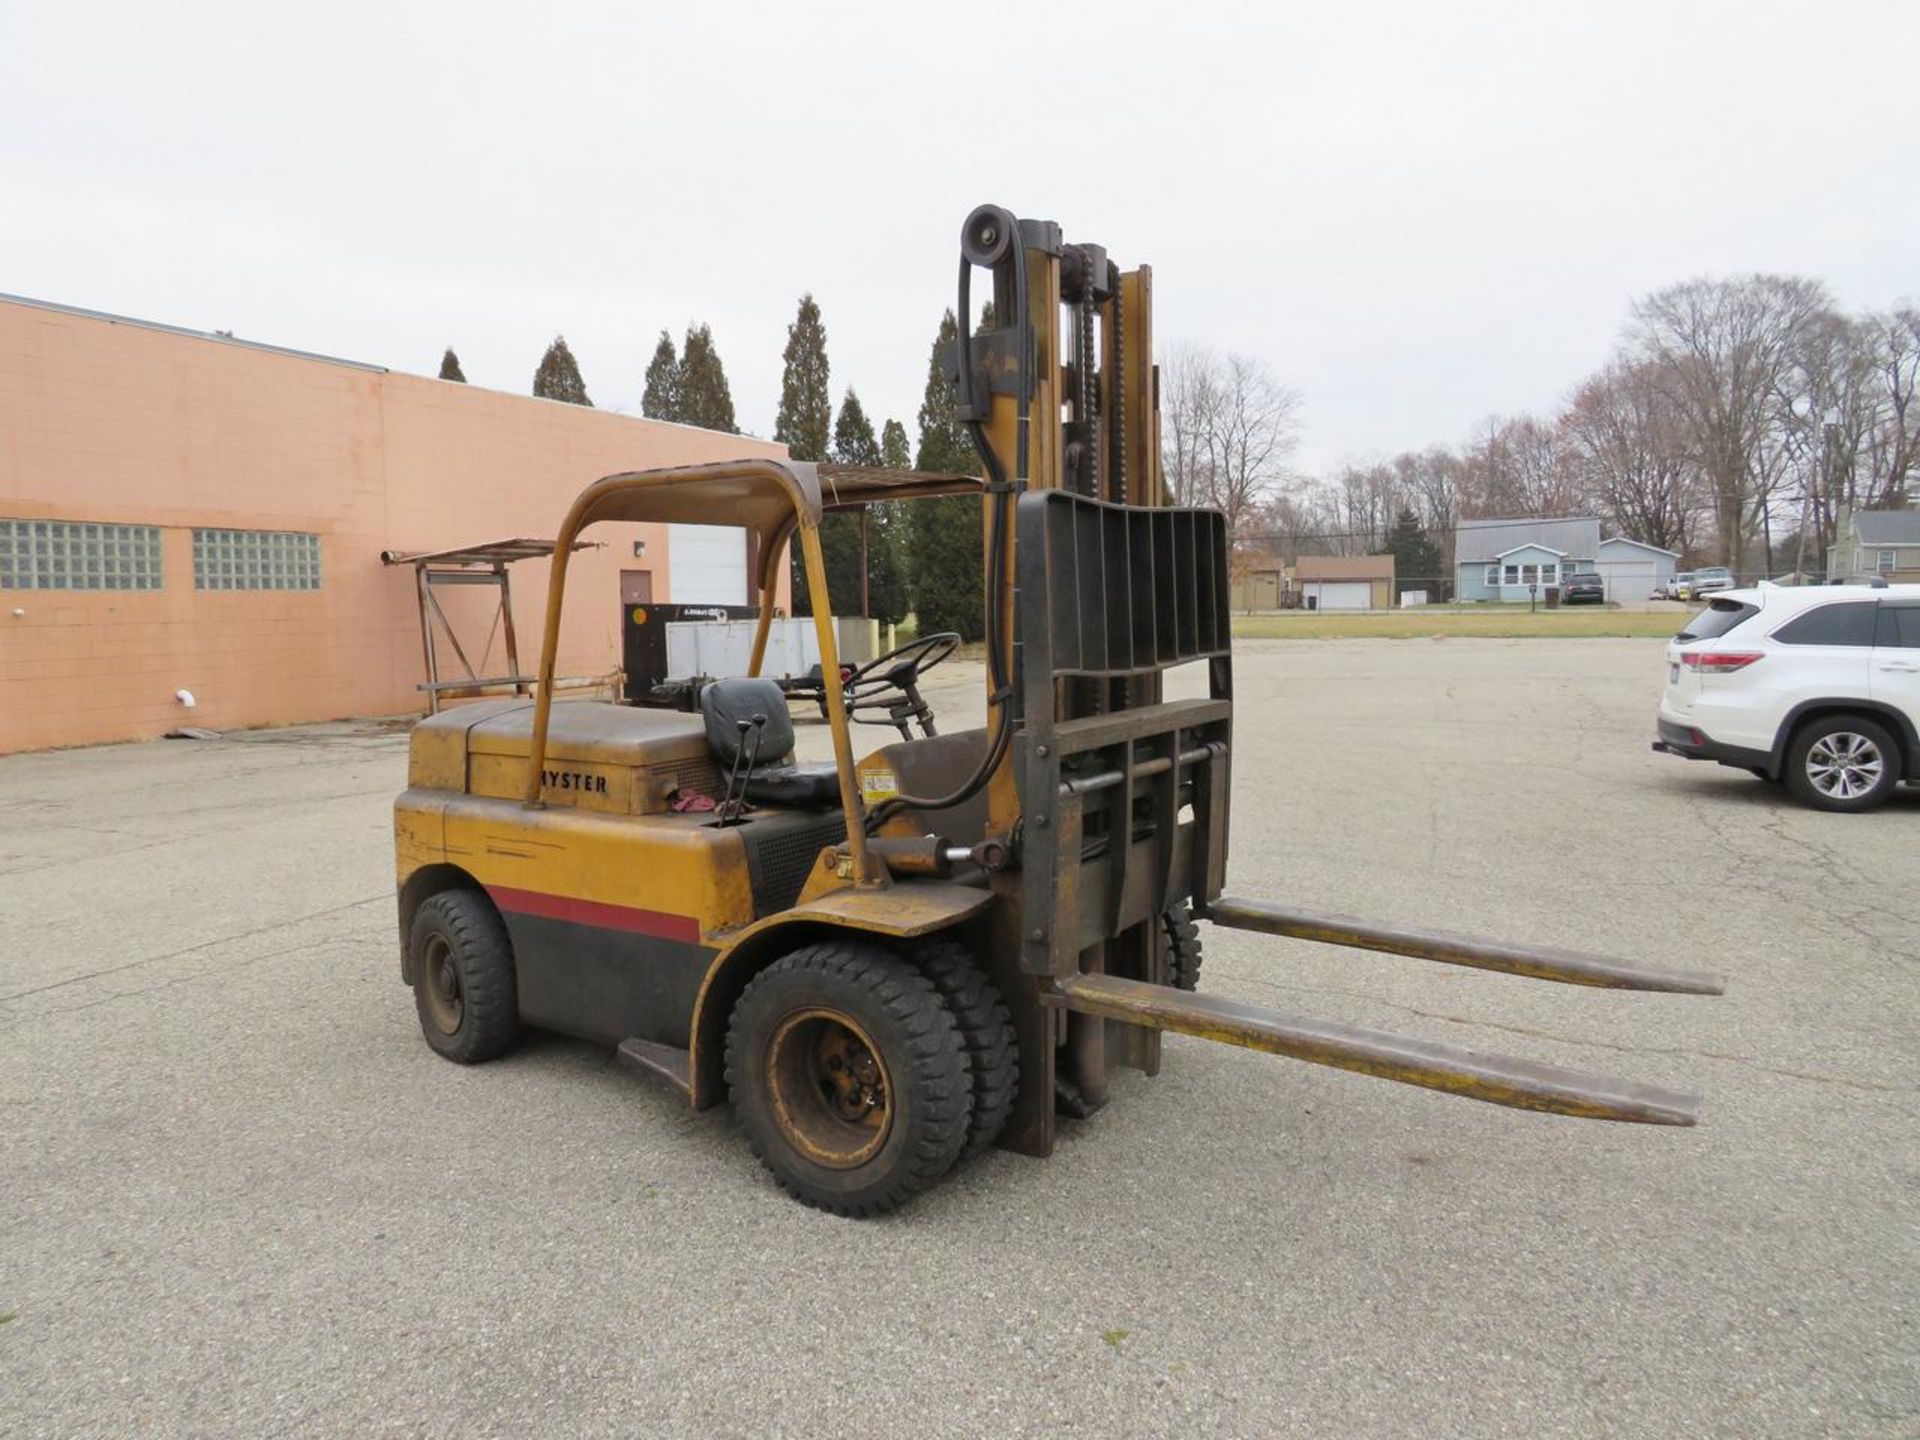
[{"x": 765, "y": 744}]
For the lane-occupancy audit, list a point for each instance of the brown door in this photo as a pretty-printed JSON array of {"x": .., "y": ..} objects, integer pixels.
[{"x": 636, "y": 587}]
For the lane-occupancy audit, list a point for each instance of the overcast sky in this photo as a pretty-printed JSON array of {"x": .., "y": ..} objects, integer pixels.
[{"x": 1418, "y": 214}]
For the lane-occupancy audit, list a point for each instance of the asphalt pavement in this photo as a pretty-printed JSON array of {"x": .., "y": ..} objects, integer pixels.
[{"x": 240, "y": 1197}]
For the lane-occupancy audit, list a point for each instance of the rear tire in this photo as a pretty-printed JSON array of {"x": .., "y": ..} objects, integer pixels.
[
  {"x": 986, "y": 1029},
  {"x": 849, "y": 1076},
  {"x": 464, "y": 986},
  {"x": 1846, "y": 763}
]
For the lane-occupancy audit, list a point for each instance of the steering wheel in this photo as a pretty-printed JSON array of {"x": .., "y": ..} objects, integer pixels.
[
  {"x": 916, "y": 657},
  {"x": 891, "y": 683}
]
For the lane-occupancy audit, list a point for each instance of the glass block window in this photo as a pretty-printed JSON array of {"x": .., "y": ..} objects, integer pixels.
[
  {"x": 75, "y": 555},
  {"x": 255, "y": 560}
]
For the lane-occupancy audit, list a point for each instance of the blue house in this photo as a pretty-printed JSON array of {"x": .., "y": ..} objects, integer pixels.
[{"x": 1517, "y": 560}]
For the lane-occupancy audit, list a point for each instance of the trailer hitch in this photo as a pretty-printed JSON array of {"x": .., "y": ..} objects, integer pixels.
[{"x": 1499, "y": 1080}]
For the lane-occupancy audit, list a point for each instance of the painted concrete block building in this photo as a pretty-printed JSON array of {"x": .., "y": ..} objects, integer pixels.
[{"x": 182, "y": 511}]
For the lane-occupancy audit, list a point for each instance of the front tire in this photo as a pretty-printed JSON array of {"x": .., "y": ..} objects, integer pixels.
[
  {"x": 1846, "y": 763},
  {"x": 464, "y": 985},
  {"x": 986, "y": 1029},
  {"x": 850, "y": 1077}
]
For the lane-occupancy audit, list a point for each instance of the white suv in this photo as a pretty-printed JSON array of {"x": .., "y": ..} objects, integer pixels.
[{"x": 1816, "y": 686}]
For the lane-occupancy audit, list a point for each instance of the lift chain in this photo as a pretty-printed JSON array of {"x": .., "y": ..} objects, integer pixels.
[
  {"x": 1087, "y": 481},
  {"x": 1117, "y": 390}
]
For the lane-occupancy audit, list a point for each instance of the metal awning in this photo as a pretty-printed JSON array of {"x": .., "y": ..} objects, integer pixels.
[
  {"x": 484, "y": 564},
  {"x": 503, "y": 551}
]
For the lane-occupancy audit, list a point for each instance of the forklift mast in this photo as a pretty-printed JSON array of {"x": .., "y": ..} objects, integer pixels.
[
  {"x": 1114, "y": 799},
  {"x": 1095, "y": 587}
]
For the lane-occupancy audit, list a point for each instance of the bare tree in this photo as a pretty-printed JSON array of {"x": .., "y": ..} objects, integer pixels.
[
  {"x": 1189, "y": 385},
  {"x": 1365, "y": 499},
  {"x": 1488, "y": 483},
  {"x": 1720, "y": 348},
  {"x": 1890, "y": 455},
  {"x": 1824, "y": 408},
  {"x": 1734, "y": 411},
  {"x": 1228, "y": 426},
  {"x": 1437, "y": 479},
  {"x": 1628, "y": 455}
]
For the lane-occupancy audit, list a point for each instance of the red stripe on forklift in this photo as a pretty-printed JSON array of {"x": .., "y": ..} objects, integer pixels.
[{"x": 657, "y": 923}]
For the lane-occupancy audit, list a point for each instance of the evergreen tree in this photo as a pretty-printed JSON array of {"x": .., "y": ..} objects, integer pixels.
[
  {"x": 853, "y": 442},
  {"x": 806, "y": 410},
  {"x": 841, "y": 536},
  {"x": 450, "y": 367},
  {"x": 705, "y": 399},
  {"x": 887, "y": 598},
  {"x": 1416, "y": 559},
  {"x": 803, "y": 423},
  {"x": 558, "y": 377},
  {"x": 661, "y": 399},
  {"x": 894, "y": 453},
  {"x": 943, "y": 545},
  {"x": 943, "y": 439}
]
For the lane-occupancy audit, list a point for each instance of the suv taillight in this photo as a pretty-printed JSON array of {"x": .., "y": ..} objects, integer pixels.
[{"x": 1719, "y": 662}]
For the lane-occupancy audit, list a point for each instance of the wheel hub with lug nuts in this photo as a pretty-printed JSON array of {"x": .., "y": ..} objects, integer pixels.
[
  {"x": 830, "y": 1090},
  {"x": 1843, "y": 765}
]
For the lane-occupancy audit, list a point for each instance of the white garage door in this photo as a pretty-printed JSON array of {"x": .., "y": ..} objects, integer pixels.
[
  {"x": 707, "y": 565},
  {"x": 1341, "y": 594},
  {"x": 1627, "y": 580}
]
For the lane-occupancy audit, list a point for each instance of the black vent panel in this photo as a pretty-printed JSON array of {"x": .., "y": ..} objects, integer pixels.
[{"x": 781, "y": 849}]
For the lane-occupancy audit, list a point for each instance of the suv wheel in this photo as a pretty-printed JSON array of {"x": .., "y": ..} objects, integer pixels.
[{"x": 1842, "y": 762}]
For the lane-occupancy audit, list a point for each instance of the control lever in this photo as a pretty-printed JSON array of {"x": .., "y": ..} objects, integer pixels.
[{"x": 746, "y": 759}]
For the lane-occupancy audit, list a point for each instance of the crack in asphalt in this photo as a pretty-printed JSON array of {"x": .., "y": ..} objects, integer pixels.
[
  {"x": 191, "y": 949},
  {"x": 215, "y": 972},
  {"x": 175, "y": 837}
]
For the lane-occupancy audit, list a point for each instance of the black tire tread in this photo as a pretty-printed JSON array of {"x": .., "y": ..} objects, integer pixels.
[
  {"x": 937, "y": 1065},
  {"x": 1183, "y": 948},
  {"x": 489, "y": 993},
  {"x": 986, "y": 1028}
]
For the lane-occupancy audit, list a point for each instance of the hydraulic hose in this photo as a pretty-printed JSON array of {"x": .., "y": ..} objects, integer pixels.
[{"x": 1000, "y": 498}]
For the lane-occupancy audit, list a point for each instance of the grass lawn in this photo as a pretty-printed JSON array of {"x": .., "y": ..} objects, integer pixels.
[{"x": 1494, "y": 623}]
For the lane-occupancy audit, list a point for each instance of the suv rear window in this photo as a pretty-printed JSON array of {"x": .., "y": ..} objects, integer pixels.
[
  {"x": 1848, "y": 623},
  {"x": 1717, "y": 619}
]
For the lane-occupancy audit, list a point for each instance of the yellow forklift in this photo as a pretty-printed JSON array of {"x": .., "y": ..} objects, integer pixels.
[{"x": 891, "y": 961}]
